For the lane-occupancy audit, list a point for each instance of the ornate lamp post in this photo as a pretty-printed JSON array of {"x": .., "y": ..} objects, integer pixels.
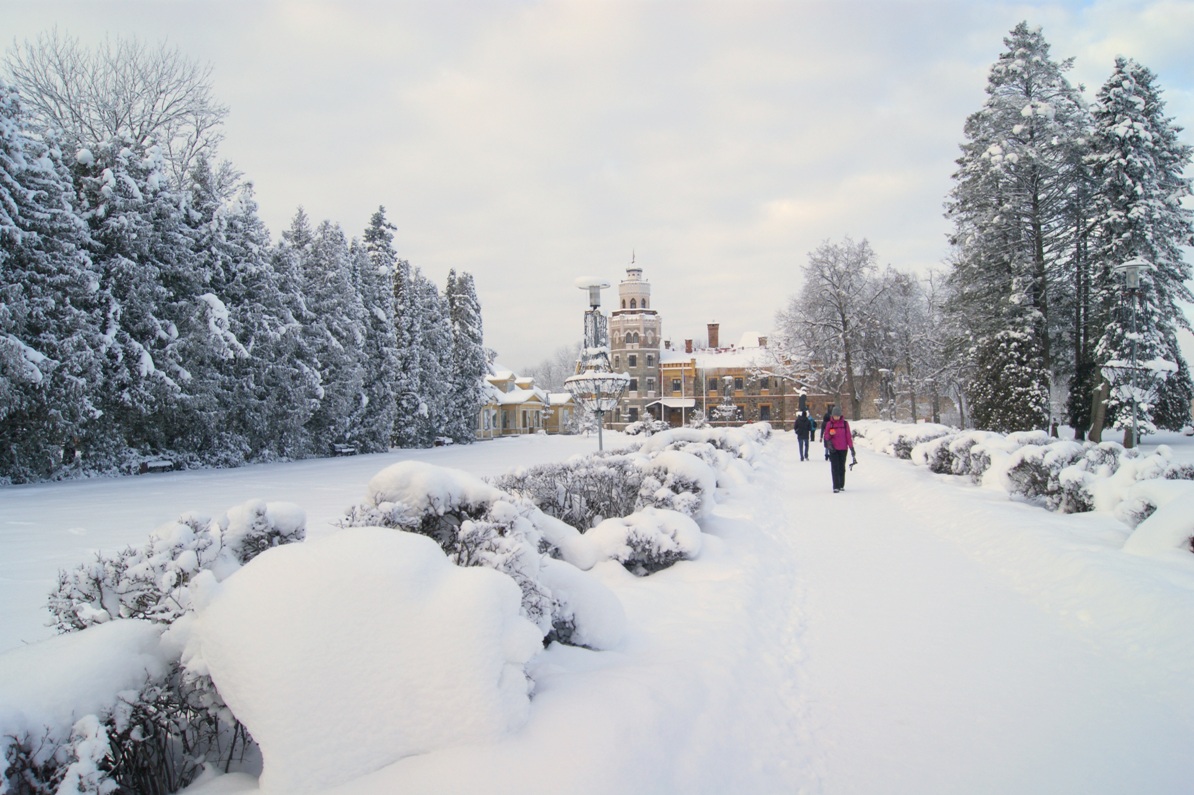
[{"x": 595, "y": 386}]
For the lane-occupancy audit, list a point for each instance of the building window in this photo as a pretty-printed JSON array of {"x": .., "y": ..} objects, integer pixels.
[
  {"x": 764, "y": 413},
  {"x": 713, "y": 385},
  {"x": 764, "y": 383},
  {"x": 633, "y": 414},
  {"x": 738, "y": 383},
  {"x": 633, "y": 304},
  {"x": 631, "y": 360},
  {"x": 634, "y": 337},
  {"x": 650, "y": 360},
  {"x": 633, "y": 385},
  {"x": 651, "y": 385},
  {"x": 644, "y": 303},
  {"x": 677, "y": 386},
  {"x": 617, "y": 361}
]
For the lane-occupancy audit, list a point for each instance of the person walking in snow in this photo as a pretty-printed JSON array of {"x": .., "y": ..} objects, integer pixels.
[
  {"x": 840, "y": 440},
  {"x": 804, "y": 428}
]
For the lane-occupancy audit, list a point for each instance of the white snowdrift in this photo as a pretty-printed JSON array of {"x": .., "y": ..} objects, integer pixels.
[{"x": 346, "y": 654}]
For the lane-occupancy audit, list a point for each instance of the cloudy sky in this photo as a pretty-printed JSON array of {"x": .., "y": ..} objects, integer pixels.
[{"x": 529, "y": 143}]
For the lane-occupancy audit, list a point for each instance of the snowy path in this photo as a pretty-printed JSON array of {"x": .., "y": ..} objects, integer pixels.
[{"x": 930, "y": 669}]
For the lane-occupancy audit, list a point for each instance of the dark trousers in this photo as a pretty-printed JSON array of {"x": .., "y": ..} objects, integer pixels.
[
  {"x": 837, "y": 465},
  {"x": 802, "y": 443}
]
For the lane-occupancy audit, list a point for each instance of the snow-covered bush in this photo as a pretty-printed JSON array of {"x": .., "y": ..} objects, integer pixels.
[
  {"x": 478, "y": 524},
  {"x": 646, "y": 427},
  {"x": 152, "y": 581},
  {"x": 347, "y": 653},
  {"x": 582, "y": 491},
  {"x": 897, "y": 438},
  {"x": 678, "y": 481},
  {"x": 1035, "y": 471},
  {"x": 157, "y": 735},
  {"x": 648, "y": 541}
]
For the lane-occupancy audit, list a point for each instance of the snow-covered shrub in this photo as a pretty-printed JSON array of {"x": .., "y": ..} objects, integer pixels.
[
  {"x": 677, "y": 481},
  {"x": 1036, "y": 470},
  {"x": 646, "y": 427},
  {"x": 582, "y": 491},
  {"x": 478, "y": 524},
  {"x": 649, "y": 540},
  {"x": 152, "y": 581},
  {"x": 896, "y": 438},
  {"x": 935, "y": 454},
  {"x": 698, "y": 420},
  {"x": 160, "y": 734},
  {"x": 347, "y": 653}
]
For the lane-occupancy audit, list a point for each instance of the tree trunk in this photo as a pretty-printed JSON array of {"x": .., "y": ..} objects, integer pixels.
[{"x": 1098, "y": 411}]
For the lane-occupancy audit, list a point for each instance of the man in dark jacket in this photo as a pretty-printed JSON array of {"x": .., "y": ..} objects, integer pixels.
[{"x": 804, "y": 429}]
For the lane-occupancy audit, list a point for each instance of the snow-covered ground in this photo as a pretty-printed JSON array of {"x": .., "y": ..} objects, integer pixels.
[{"x": 914, "y": 634}]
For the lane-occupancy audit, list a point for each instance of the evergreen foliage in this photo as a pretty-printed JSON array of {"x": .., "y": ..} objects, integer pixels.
[{"x": 1050, "y": 196}]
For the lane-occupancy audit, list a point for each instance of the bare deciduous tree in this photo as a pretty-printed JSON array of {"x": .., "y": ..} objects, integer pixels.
[{"x": 123, "y": 87}]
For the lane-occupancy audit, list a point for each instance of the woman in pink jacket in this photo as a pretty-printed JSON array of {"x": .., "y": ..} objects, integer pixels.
[{"x": 838, "y": 440}]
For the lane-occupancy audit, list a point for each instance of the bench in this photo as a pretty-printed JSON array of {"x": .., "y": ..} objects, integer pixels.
[
  {"x": 343, "y": 449},
  {"x": 155, "y": 465}
]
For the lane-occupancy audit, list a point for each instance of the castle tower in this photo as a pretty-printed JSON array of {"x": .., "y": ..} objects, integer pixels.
[{"x": 635, "y": 340}]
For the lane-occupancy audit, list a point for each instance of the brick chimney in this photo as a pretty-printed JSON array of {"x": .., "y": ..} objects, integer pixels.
[
  {"x": 713, "y": 337},
  {"x": 688, "y": 346}
]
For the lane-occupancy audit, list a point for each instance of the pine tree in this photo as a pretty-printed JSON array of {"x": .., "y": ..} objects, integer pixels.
[
  {"x": 48, "y": 337},
  {"x": 1138, "y": 164},
  {"x": 1007, "y": 392},
  {"x": 1010, "y": 201},
  {"x": 433, "y": 347},
  {"x": 335, "y": 329},
  {"x": 406, "y": 332},
  {"x": 151, "y": 284},
  {"x": 469, "y": 364},
  {"x": 375, "y": 263}
]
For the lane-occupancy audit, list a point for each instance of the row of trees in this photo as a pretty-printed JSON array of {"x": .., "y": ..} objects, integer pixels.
[
  {"x": 144, "y": 311},
  {"x": 1051, "y": 194}
]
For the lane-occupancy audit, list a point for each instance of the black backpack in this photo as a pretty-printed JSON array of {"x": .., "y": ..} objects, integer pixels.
[{"x": 802, "y": 424}]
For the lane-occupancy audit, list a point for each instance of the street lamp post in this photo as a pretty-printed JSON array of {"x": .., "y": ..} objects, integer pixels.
[
  {"x": 595, "y": 386},
  {"x": 1131, "y": 271}
]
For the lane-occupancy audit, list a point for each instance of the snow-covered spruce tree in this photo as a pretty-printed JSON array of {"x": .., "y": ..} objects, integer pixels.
[
  {"x": 1138, "y": 164},
  {"x": 49, "y": 336},
  {"x": 336, "y": 333},
  {"x": 1008, "y": 391},
  {"x": 375, "y": 262},
  {"x": 255, "y": 414},
  {"x": 469, "y": 363},
  {"x": 433, "y": 347},
  {"x": 294, "y": 384},
  {"x": 406, "y": 332},
  {"x": 1009, "y": 203},
  {"x": 151, "y": 284}
]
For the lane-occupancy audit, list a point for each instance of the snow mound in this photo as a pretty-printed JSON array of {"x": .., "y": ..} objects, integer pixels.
[
  {"x": 426, "y": 486},
  {"x": 47, "y": 686},
  {"x": 348, "y": 653},
  {"x": 1171, "y": 526}
]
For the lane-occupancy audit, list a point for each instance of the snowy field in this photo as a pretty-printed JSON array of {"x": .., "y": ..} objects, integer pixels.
[{"x": 915, "y": 634}]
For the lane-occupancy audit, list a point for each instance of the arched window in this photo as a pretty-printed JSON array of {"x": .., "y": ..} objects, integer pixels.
[
  {"x": 634, "y": 335},
  {"x": 623, "y": 303},
  {"x": 644, "y": 303},
  {"x": 633, "y": 304}
]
